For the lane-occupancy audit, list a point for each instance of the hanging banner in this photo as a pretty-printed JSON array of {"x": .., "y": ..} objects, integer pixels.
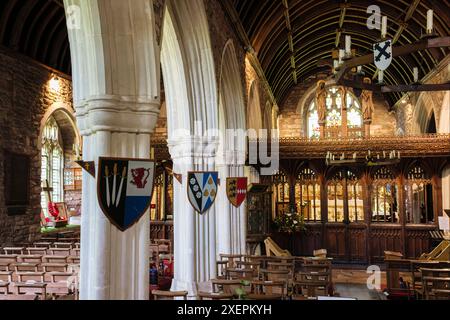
[
  {"x": 383, "y": 54},
  {"x": 124, "y": 189},
  {"x": 237, "y": 190},
  {"x": 202, "y": 190},
  {"x": 88, "y": 166}
]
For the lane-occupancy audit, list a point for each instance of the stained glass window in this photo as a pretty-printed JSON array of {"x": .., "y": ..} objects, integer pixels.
[
  {"x": 334, "y": 123},
  {"x": 52, "y": 164}
]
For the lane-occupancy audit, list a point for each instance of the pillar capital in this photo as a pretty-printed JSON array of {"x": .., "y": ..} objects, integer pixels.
[
  {"x": 117, "y": 114},
  {"x": 194, "y": 147}
]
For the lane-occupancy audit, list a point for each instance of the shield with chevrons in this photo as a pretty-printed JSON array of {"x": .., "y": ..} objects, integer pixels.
[
  {"x": 124, "y": 189},
  {"x": 202, "y": 190},
  {"x": 237, "y": 190}
]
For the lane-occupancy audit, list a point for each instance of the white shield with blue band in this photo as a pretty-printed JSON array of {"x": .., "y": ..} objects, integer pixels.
[
  {"x": 202, "y": 190},
  {"x": 125, "y": 189}
]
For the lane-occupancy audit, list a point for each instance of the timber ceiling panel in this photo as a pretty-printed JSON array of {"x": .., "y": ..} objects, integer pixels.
[
  {"x": 36, "y": 28},
  {"x": 294, "y": 39}
]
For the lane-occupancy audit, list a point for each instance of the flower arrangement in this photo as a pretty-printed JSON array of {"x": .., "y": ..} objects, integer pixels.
[{"x": 291, "y": 222}]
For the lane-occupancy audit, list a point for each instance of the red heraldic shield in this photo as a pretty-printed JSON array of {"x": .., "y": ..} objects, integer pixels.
[{"x": 237, "y": 190}]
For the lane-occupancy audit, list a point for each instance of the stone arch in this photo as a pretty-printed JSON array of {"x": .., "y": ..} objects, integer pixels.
[
  {"x": 231, "y": 157},
  {"x": 188, "y": 67},
  {"x": 444, "y": 123},
  {"x": 422, "y": 114},
  {"x": 64, "y": 116},
  {"x": 255, "y": 118},
  {"x": 231, "y": 99},
  {"x": 190, "y": 84}
]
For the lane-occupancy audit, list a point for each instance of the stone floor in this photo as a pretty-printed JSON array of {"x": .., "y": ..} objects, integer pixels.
[{"x": 352, "y": 283}]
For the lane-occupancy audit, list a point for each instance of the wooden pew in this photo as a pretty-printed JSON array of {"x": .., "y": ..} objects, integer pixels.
[
  {"x": 30, "y": 258},
  {"x": 13, "y": 250},
  {"x": 55, "y": 259},
  {"x": 36, "y": 251}
]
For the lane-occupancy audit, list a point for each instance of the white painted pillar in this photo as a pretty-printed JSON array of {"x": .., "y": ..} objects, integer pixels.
[
  {"x": 194, "y": 234},
  {"x": 115, "y": 63}
]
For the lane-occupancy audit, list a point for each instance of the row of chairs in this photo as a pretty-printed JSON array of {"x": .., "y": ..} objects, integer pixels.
[
  {"x": 43, "y": 284},
  {"x": 39, "y": 270},
  {"x": 431, "y": 280}
]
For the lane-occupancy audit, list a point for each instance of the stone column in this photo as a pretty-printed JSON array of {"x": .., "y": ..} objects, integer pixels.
[
  {"x": 194, "y": 234},
  {"x": 116, "y": 82}
]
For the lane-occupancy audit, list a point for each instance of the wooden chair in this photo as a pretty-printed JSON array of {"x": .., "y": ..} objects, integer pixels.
[
  {"x": 61, "y": 283},
  {"x": 8, "y": 258},
  {"x": 270, "y": 288},
  {"x": 13, "y": 250},
  {"x": 5, "y": 282},
  {"x": 241, "y": 274},
  {"x": 42, "y": 245},
  {"x": 54, "y": 267},
  {"x": 30, "y": 288},
  {"x": 435, "y": 281},
  {"x": 61, "y": 252},
  {"x": 36, "y": 251},
  {"x": 312, "y": 284},
  {"x": 215, "y": 296},
  {"x": 228, "y": 286},
  {"x": 4, "y": 287},
  {"x": 169, "y": 295},
  {"x": 54, "y": 259},
  {"x": 62, "y": 245},
  {"x": 221, "y": 267},
  {"x": 274, "y": 266},
  {"x": 13, "y": 297},
  {"x": 231, "y": 258},
  {"x": 4, "y": 266},
  {"x": 30, "y": 258},
  {"x": 24, "y": 267},
  {"x": 276, "y": 275}
]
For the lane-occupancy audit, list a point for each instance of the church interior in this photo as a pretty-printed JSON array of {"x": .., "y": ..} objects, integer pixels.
[{"x": 224, "y": 150}]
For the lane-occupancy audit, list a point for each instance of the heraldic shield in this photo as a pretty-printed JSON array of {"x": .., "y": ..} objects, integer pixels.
[
  {"x": 124, "y": 189},
  {"x": 202, "y": 190},
  {"x": 237, "y": 191},
  {"x": 383, "y": 54}
]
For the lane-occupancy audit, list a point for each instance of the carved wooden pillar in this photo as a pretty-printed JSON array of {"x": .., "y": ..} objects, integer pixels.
[
  {"x": 367, "y": 198},
  {"x": 367, "y": 124},
  {"x": 322, "y": 129},
  {"x": 402, "y": 212},
  {"x": 324, "y": 207},
  {"x": 344, "y": 112}
]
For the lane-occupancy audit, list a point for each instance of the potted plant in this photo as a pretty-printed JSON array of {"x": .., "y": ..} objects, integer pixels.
[{"x": 291, "y": 222}]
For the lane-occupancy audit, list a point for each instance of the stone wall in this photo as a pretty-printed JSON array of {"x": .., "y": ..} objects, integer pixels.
[
  {"x": 415, "y": 110},
  {"x": 25, "y": 96},
  {"x": 292, "y": 114}
]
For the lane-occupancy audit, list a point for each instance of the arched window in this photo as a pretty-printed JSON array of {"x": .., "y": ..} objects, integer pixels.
[
  {"x": 355, "y": 199},
  {"x": 307, "y": 193},
  {"x": 280, "y": 185},
  {"x": 336, "y": 198},
  {"x": 385, "y": 197},
  {"x": 334, "y": 119},
  {"x": 344, "y": 188},
  {"x": 52, "y": 160},
  {"x": 419, "y": 197}
]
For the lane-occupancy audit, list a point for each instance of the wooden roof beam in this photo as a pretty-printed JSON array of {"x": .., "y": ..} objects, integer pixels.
[{"x": 397, "y": 52}]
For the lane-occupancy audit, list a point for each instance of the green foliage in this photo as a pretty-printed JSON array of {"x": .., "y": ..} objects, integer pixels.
[{"x": 290, "y": 222}]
